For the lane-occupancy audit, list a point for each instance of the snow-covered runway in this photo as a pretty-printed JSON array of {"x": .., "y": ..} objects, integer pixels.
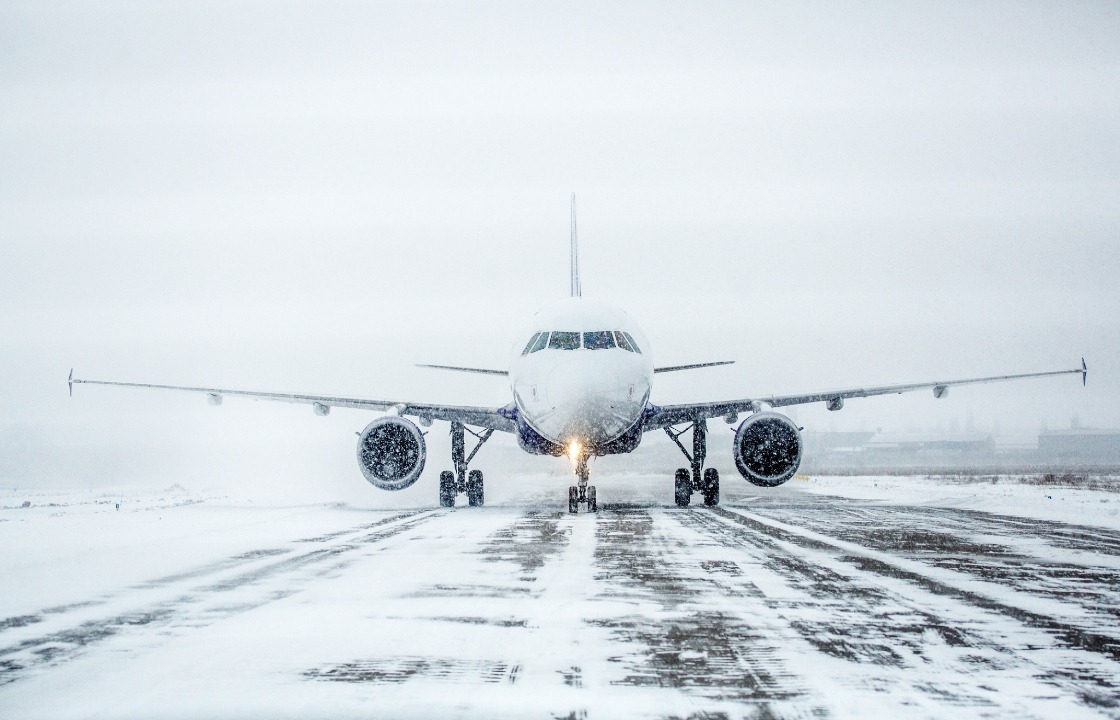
[{"x": 782, "y": 604}]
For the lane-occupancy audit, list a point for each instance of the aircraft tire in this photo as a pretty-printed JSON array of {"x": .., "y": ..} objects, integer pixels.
[
  {"x": 592, "y": 502},
  {"x": 475, "y": 495},
  {"x": 711, "y": 487},
  {"x": 447, "y": 489},
  {"x": 573, "y": 499},
  {"x": 682, "y": 487}
]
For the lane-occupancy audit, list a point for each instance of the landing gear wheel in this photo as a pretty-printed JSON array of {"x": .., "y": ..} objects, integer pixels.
[
  {"x": 474, "y": 488},
  {"x": 447, "y": 491},
  {"x": 682, "y": 487},
  {"x": 573, "y": 499},
  {"x": 592, "y": 504},
  {"x": 711, "y": 487}
]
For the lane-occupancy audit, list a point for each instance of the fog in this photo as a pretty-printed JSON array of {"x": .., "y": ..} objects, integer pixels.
[{"x": 311, "y": 197}]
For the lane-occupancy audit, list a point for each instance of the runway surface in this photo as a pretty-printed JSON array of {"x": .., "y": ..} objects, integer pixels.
[{"x": 775, "y": 604}]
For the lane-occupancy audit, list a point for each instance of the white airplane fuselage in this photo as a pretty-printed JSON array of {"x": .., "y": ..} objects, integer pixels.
[{"x": 589, "y": 381}]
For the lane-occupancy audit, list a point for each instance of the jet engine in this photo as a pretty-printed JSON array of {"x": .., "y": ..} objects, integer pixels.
[
  {"x": 391, "y": 453},
  {"x": 767, "y": 449}
]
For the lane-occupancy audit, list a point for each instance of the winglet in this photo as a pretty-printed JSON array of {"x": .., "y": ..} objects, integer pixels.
[
  {"x": 576, "y": 290},
  {"x": 70, "y": 382},
  {"x": 1084, "y": 373}
]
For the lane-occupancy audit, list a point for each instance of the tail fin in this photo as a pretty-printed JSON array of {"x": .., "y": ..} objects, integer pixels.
[{"x": 575, "y": 286}]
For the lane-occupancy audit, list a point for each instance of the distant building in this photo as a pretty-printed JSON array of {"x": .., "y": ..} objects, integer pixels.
[
  {"x": 924, "y": 448},
  {"x": 1084, "y": 445},
  {"x": 1075, "y": 449},
  {"x": 826, "y": 442}
]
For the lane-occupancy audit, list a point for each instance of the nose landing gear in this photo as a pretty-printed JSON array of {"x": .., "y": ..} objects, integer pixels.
[{"x": 582, "y": 493}]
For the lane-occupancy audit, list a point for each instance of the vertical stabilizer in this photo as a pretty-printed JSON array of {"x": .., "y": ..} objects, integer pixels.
[{"x": 575, "y": 287}]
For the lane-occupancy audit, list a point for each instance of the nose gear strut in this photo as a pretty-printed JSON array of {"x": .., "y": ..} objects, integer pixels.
[{"x": 582, "y": 493}]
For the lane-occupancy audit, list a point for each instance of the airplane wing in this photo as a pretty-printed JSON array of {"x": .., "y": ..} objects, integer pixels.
[
  {"x": 694, "y": 366},
  {"x": 666, "y": 415},
  {"x": 486, "y": 417},
  {"x": 456, "y": 368}
]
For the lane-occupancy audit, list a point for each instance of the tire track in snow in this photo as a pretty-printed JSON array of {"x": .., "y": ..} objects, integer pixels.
[
  {"x": 864, "y": 608},
  {"x": 904, "y": 568},
  {"x": 1072, "y": 565},
  {"x": 201, "y": 605},
  {"x": 201, "y": 571},
  {"x": 697, "y": 640},
  {"x": 510, "y": 591}
]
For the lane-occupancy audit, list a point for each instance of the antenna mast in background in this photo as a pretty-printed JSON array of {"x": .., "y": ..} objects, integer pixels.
[{"x": 575, "y": 286}]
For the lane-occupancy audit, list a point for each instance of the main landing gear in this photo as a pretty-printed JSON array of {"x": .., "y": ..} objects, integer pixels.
[
  {"x": 451, "y": 483},
  {"x": 582, "y": 492},
  {"x": 688, "y": 481}
]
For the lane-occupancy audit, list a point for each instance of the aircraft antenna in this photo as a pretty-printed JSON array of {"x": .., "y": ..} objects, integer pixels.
[{"x": 575, "y": 285}]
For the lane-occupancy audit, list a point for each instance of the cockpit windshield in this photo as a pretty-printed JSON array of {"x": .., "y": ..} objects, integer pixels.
[
  {"x": 532, "y": 341},
  {"x": 541, "y": 341},
  {"x": 626, "y": 341},
  {"x": 564, "y": 341},
  {"x": 592, "y": 340},
  {"x": 598, "y": 340}
]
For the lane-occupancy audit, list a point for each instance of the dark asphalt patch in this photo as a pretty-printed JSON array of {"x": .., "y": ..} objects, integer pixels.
[
  {"x": 715, "y": 654},
  {"x": 403, "y": 669},
  {"x": 626, "y": 564},
  {"x": 529, "y": 543},
  {"x": 19, "y": 621},
  {"x": 1068, "y": 634},
  {"x": 493, "y": 622},
  {"x": 942, "y": 538},
  {"x": 1091, "y": 685},
  {"x": 711, "y": 654},
  {"x": 63, "y": 645}
]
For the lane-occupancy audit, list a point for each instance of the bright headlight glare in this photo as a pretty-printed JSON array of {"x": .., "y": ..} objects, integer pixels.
[{"x": 573, "y": 451}]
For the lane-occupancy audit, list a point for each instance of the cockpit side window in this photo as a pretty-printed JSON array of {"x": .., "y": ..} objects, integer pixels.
[
  {"x": 630, "y": 339},
  {"x": 564, "y": 341},
  {"x": 540, "y": 343},
  {"x": 622, "y": 341},
  {"x": 598, "y": 340},
  {"x": 529, "y": 345}
]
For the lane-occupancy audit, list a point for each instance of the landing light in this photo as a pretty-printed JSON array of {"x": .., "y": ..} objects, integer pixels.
[{"x": 573, "y": 451}]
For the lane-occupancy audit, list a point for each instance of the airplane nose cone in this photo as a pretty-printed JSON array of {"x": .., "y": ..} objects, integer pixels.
[
  {"x": 590, "y": 404},
  {"x": 580, "y": 381}
]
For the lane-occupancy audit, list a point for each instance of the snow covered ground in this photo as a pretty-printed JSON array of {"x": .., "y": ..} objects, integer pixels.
[
  {"x": 1023, "y": 496},
  {"x": 828, "y": 597}
]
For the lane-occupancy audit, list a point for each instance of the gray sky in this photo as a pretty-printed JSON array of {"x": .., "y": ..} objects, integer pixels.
[{"x": 312, "y": 196}]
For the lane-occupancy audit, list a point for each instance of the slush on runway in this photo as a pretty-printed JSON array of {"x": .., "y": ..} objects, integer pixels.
[{"x": 784, "y": 604}]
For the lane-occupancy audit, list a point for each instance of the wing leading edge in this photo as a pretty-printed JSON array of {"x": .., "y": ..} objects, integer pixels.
[
  {"x": 456, "y": 368},
  {"x": 667, "y": 415},
  {"x": 494, "y": 418}
]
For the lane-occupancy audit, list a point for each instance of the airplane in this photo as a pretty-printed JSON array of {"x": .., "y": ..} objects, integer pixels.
[{"x": 581, "y": 380}]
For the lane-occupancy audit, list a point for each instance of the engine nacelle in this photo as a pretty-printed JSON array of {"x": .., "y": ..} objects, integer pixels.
[
  {"x": 767, "y": 449},
  {"x": 391, "y": 453}
]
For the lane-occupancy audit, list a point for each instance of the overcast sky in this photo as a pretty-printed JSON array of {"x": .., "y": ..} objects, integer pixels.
[{"x": 312, "y": 196}]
